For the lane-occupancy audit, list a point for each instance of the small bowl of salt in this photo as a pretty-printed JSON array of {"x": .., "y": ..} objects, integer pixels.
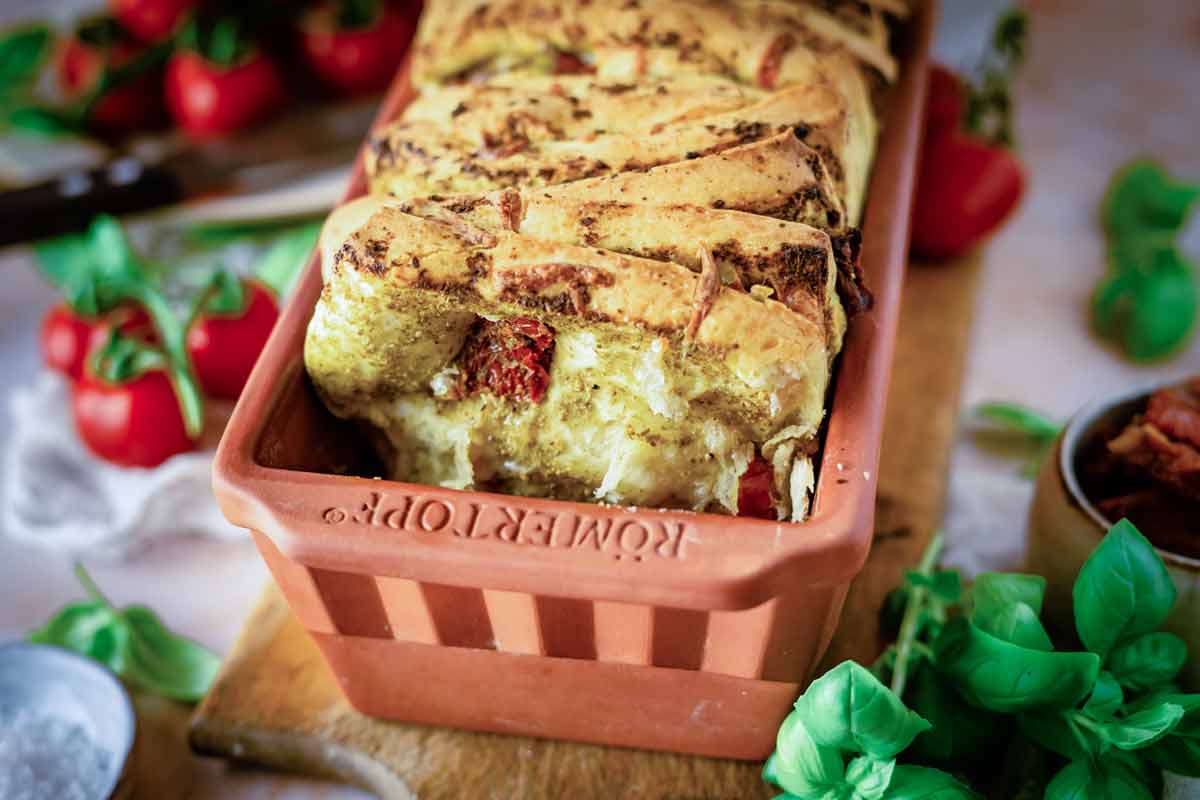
[{"x": 66, "y": 726}]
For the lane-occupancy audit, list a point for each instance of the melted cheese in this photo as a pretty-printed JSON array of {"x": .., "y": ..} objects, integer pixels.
[{"x": 626, "y": 433}]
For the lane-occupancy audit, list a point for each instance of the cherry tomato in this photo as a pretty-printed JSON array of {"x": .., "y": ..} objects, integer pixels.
[
  {"x": 208, "y": 99},
  {"x": 755, "y": 497},
  {"x": 223, "y": 348},
  {"x": 965, "y": 189},
  {"x": 943, "y": 107},
  {"x": 65, "y": 340},
  {"x": 68, "y": 338},
  {"x": 357, "y": 59},
  {"x": 134, "y": 424},
  {"x": 99, "y": 45},
  {"x": 151, "y": 20}
]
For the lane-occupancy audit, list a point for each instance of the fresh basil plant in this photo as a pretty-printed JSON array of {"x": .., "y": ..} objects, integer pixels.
[{"x": 973, "y": 674}]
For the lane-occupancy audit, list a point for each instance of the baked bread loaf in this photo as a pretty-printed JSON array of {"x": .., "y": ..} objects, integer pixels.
[{"x": 625, "y": 285}]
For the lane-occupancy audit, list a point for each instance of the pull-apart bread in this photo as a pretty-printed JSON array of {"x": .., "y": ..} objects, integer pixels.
[{"x": 627, "y": 284}]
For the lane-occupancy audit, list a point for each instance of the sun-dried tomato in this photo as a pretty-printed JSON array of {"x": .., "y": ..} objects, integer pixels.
[
  {"x": 755, "y": 496},
  {"x": 508, "y": 358}
]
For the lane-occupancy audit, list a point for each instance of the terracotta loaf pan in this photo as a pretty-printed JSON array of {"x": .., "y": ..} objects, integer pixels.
[{"x": 637, "y": 627}]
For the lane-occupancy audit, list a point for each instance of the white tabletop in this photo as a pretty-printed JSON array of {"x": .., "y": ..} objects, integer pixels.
[{"x": 1103, "y": 85}]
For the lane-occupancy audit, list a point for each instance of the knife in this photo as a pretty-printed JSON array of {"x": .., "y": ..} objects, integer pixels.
[{"x": 292, "y": 147}]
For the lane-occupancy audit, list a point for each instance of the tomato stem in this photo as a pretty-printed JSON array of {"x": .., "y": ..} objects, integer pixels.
[{"x": 174, "y": 339}]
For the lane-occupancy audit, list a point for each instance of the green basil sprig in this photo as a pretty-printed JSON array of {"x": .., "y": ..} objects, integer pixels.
[
  {"x": 971, "y": 669},
  {"x": 1147, "y": 302},
  {"x": 1016, "y": 421},
  {"x": 133, "y": 643}
]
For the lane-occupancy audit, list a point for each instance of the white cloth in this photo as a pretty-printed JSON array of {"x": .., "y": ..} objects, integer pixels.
[{"x": 57, "y": 495}]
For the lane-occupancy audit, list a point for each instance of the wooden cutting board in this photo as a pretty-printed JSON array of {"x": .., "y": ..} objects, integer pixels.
[{"x": 276, "y": 704}]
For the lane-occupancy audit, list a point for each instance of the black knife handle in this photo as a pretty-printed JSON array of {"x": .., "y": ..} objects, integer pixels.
[{"x": 70, "y": 202}]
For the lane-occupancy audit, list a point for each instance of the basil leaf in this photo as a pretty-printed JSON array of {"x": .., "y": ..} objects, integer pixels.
[
  {"x": 995, "y": 590},
  {"x": 1164, "y": 313},
  {"x": 165, "y": 663},
  {"x": 111, "y": 647},
  {"x": 959, "y": 732},
  {"x": 1053, "y": 731},
  {"x": 802, "y": 767},
  {"x": 849, "y": 709},
  {"x": 869, "y": 777},
  {"x": 1179, "y": 751},
  {"x": 1123, "y": 590},
  {"x": 133, "y": 643},
  {"x": 1007, "y": 607},
  {"x": 91, "y": 629},
  {"x": 75, "y": 626},
  {"x": 1150, "y": 308},
  {"x": 1148, "y": 661},
  {"x": 1106, "y": 697},
  {"x": 1141, "y": 196},
  {"x": 1018, "y": 624},
  {"x": 1006, "y": 677},
  {"x": 1019, "y": 419},
  {"x": 1142, "y": 728},
  {"x": 1083, "y": 780},
  {"x": 22, "y": 52},
  {"x": 924, "y": 783}
]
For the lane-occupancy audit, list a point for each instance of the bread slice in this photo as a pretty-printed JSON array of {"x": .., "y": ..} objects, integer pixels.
[
  {"x": 512, "y": 109},
  {"x": 795, "y": 262},
  {"x": 620, "y": 379},
  {"x": 417, "y": 157},
  {"x": 779, "y": 177},
  {"x": 743, "y": 39}
]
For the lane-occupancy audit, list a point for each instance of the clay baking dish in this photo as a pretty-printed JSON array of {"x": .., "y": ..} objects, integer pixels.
[{"x": 668, "y": 630}]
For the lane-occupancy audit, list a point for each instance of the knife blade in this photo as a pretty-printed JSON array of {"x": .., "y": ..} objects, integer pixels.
[{"x": 267, "y": 157}]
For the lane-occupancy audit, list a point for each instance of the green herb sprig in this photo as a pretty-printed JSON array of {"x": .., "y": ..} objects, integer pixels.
[
  {"x": 988, "y": 111},
  {"x": 1147, "y": 301},
  {"x": 1028, "y": 425},
  {"x": 974, "y": 672},
  {"x": 133, "y": 643}
]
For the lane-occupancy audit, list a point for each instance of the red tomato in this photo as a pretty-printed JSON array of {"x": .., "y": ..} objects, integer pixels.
[
  {"x": 137, "y": 423},
  {"x": 209, "y": 99},
  {"x": 755, "y": 491},
  {"x": 151, "y": 20},
  {"x": 65, "y": 340},
  {"x": 98, "y": 45},
  {"x": 965, "y": 189},
  {"x": 224, "y": 348},
  {"x": 943, "y": 107},
  {"x": 357, "y": 59},
  {"x": 966, "y": 186}
]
